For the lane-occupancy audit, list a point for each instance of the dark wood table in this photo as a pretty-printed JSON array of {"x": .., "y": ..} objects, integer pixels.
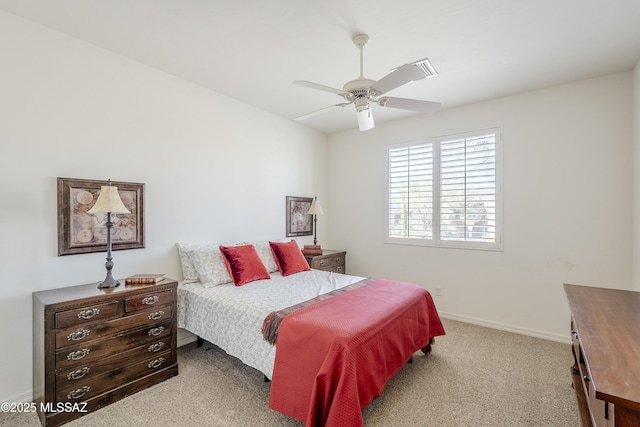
[{"x": 605, "y": 330}]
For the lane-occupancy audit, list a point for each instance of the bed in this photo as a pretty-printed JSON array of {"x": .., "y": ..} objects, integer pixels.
[{"x": 314, "y": 380}]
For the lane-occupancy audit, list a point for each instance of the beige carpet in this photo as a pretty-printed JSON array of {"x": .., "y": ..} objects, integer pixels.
[{"x": 475, "y": 377}]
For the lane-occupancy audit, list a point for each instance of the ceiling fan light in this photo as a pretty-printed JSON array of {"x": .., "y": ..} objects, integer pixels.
[{"x": 365, "y": 119}]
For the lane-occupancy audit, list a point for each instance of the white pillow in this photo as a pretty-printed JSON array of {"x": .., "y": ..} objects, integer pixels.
[
  {"x": 189, "y": 273},
  {"x": 266, "y": 256},
  {"x": 210, "y": 267}
]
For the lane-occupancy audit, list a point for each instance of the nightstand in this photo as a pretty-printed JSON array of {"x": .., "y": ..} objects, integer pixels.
[{"x": 330, "y": 260}]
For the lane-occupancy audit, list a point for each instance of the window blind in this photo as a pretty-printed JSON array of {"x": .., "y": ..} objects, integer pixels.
[
  {"x": 444, "y": 191},
  {"x": 411, "y": 192},
  {"x": 468, "y": 189}
]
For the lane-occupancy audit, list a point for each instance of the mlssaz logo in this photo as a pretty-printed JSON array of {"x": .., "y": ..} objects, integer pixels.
[{"x": 64, "y": 407}]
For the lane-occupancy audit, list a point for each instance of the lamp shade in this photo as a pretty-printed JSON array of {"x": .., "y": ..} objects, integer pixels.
[
  {"x": 315, "y": 208},
  {"x": 109, "y": 201}
]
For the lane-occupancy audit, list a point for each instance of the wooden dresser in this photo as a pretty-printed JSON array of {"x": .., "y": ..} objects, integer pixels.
[
  {"x": 329, "y": 261},
  {"x": 92, "y": 347},
  {"x": 605, "y": 329}
]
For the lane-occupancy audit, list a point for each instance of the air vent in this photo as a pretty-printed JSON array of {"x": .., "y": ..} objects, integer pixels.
[{"x": 426, "y": 67}]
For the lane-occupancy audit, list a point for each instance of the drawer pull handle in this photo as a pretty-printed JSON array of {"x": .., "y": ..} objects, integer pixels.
[
  {"x": 156, "y": 331},
  {"x": 78, "y": 393},
  {"x": 153, "y": 348},
  {"x": 77, "y": 355},
  {"x": 78, "y": 335},
  {"x": 150, "y": 300},
  {"x": 88, "y": 314},
  {"x": 76, "y": 375},
  {"x": 155, "y": 363},
  {"x": 156, "y": 315}
]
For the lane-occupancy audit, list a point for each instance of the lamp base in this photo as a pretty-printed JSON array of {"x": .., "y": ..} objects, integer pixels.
[{"x": 108, "y": 282}]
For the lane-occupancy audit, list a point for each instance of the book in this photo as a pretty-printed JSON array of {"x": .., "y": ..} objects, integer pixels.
[
  {"x": 312, "y": 252},
  {"x": 144, "y": 279}
]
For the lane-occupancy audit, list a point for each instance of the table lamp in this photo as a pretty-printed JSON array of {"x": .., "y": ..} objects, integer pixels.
[
  {"x": 109, "y": 202},
  {"x": 315, "y": 209}
]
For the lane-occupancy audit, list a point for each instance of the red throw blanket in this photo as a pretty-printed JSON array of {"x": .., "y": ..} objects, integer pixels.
[
  {"x": 272, "y": 322},
  {"x": 335, "y": 356}
]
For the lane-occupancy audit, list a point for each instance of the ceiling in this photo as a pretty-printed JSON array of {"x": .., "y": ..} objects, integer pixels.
[{"x": 252, "y": 50}]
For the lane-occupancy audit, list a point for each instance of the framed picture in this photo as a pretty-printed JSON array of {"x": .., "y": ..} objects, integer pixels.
[
  {"x": 80, "y": 232},
  {"x": 299, "y": 223}
]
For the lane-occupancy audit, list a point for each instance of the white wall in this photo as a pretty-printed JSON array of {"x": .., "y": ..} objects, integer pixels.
[
  {"x": 214, "y": 169},
  {"x": 567, "y": 205}
]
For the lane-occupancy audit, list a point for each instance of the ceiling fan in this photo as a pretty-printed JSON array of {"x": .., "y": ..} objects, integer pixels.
[{"x": 362, "y": 91}]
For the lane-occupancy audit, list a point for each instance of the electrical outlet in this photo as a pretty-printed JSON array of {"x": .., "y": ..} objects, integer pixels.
[{"x": 438, "y": 291}]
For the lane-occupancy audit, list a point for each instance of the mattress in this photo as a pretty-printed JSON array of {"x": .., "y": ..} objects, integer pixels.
[{"x": 231, "y": 317}]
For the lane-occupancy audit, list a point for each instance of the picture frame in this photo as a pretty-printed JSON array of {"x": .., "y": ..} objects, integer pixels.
[
  {"x": 299, "y": 223},
  {"x": 80, "y": 232}
]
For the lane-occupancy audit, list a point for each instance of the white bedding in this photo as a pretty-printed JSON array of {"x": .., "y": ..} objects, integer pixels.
[{"x": 231, "y": 316}]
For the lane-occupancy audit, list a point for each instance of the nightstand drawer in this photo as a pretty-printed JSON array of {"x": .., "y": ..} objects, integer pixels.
[
  {"x": 336, "y": 269},
  {"x": 328, "y": 261}
]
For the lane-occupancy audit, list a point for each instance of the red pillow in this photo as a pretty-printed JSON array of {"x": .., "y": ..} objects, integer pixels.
[
  {"x": 289, "y": 257},
  {"x": 244, "y": 264}
]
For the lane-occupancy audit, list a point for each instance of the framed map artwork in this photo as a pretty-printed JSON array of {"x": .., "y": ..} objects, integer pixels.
[
  {"x": 299, "y": 222},
  {"x": 80, "y": 232}
]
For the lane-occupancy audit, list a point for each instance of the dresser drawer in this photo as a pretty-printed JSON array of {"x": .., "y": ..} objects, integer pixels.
[
  {"x": 88, "y": 368},
  {"x": 88, "y": 387},
  {"x": 97, "y": 349},
  {"x": 84, "y": 315},
  {"x": 143, "y": 302},
  {"x": 91, "y": 332},
  {"x": 575, "y": 343}
]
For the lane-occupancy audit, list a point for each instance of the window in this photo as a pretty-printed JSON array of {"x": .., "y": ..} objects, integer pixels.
[{"x": 446, "y": 191}]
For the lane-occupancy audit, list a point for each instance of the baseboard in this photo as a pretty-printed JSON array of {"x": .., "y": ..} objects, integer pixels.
[
  {"x": 25, "y": 397},
  {"x": 509, "y": 328}
]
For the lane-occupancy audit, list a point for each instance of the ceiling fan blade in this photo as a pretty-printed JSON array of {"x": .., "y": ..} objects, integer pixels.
[
  {"x": 400, "y": 76},
  {"x": 320, "y": 87},
  {"x": 320, "y": 111},
  {"x": 409, "y": 104}
]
